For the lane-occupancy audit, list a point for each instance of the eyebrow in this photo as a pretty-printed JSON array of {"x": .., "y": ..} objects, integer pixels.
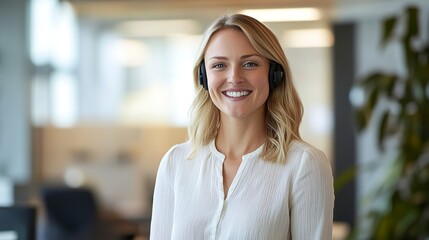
[
  {"x": 242, "y": 57},
  {"x": 250, "y": 55}
]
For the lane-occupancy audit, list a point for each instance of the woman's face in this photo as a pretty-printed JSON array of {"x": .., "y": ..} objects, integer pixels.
[{"x": 237, "y": 75}]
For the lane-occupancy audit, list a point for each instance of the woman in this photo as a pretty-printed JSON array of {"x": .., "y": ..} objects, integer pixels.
[{"x": 245, "y": 173}]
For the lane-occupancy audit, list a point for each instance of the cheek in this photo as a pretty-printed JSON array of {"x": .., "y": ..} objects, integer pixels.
[
  {"x": 261, "y": 82},
  {"x": 263, "y": 88},
  {"x": 214, "y": 81},
  {"x": 265, "y": 93}
]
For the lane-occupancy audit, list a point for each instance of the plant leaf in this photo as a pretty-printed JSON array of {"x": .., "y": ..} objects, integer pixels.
[
  {"x": 388, "y": 83},
  {"x": 388, "y": 27},
  {"x": 382, "y": 130},
  {"x": 360, "y": 120},
  {"x": 412, "y": 22},
  {"x": 383, "y": 229},
  {"x": 344, "y": 178},
  {"x": 424, "y": 66},
  {"x": 372, "y": 80},
  {"x": 372, "y": 101},
  {"x": 411, "y": 56}
]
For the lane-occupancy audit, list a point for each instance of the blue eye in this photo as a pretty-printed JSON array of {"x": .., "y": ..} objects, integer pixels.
[
  {"x": 219, "y": 65},
  {"x": 250, "y": 64}
]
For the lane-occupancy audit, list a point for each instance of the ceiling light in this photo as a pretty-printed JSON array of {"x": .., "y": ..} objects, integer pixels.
[
  {"x": 308, "y": 38},
  {"x": 284, "y": 14},
  {"x": 153, "y": 28}
]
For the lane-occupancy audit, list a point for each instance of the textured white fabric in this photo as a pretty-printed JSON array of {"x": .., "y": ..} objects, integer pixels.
[{"x": 265, "y": 200}]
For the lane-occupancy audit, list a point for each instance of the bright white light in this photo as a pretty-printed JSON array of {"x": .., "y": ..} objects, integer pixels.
[
  {"x": 41, "y": 20},
  {"x": 357, "y": 96},
  {"x": 320, "y": 119},
  {"x": 73, "y": 177},
  {"x": 6, "y": 191},
  {"x": 40, "y": 100},
  {"x": 158, "y": 28},
  {"x": 284, "y": 14},
  {"x": 131, "y": 53},
  {"x": 9, "y": 235},
  {"x": 150, "y": 106},
  {"x": 308, "y": 38},
  {"x": 64, "y": 38},
  {"x": 63, "y": 100},
  {"x": 183, "y": 53}
]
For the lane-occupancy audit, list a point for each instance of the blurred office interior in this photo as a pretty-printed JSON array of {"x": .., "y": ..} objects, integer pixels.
[{"x": 94, "y": 92}]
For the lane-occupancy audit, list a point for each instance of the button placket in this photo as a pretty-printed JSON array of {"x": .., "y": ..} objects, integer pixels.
[{"x": 221, "y": 205}]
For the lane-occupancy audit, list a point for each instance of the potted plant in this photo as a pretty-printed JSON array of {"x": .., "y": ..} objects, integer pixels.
[{"x": 398, "y": 106}]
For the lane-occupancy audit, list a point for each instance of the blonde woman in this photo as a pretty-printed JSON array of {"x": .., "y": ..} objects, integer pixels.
[{"x": 245, "y": 173}]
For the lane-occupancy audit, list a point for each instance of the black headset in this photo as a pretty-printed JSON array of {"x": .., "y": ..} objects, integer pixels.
[{"x": 276, "y": 75}]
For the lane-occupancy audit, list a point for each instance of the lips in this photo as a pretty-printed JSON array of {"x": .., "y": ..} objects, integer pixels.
[{"x": 236, "y": 94}]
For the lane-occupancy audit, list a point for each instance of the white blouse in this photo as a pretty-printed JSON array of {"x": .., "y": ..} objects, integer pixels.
[{"x": 266, "y": 200}]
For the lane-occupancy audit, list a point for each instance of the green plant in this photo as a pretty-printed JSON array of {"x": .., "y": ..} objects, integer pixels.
[{"x": 399, "y": 106}]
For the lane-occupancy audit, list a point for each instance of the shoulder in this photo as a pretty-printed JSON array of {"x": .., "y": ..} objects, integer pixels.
[
  {"x": 179, "y": 149},
  {"x": 302, "y": 150},
  {"x": 171, "y": 160},
  {"x": 176, "y": 161},
  {"x": 176, "y": 152},
  {"x": 307, "y": 158},
  {"x": 180, "y": 154}
]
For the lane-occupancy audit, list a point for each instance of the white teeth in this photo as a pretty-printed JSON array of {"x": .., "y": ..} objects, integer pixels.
[{"x": 237, "y": 94}]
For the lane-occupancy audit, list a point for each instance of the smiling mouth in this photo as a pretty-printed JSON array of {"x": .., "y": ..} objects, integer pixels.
[{"x": 236, "y": 94}]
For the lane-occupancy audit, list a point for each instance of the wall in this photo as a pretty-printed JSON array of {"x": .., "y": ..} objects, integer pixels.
[{"x": 14, "y": 91}]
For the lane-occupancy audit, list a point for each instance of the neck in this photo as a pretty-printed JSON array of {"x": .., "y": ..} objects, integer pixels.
[{"x": 237, "y": 137}]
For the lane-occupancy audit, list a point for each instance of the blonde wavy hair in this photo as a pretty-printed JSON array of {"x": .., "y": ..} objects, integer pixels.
[{"x": 284, "y": 109}]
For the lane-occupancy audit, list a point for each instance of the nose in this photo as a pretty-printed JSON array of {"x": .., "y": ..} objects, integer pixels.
[{"x": 235, "y": 75}]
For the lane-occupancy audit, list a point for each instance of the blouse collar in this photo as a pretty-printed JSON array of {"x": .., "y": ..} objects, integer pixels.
[{"x": 255, "y": 154}]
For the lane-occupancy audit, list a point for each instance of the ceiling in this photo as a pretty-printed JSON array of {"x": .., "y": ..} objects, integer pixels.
[
  {"x": 179, "y": 9},
  {"x": 207, "y": 10}
]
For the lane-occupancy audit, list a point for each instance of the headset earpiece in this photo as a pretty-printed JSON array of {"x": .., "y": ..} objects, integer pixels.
[
  {"x": 276, "y": 75},
  {"x": 202, "y": 76}
]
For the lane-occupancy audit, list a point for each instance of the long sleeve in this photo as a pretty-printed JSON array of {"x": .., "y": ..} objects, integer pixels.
[
  {"x": 312, "y": 199},
  {"x": 266, "y": 200},
  {"x": 163, "y": 201}
]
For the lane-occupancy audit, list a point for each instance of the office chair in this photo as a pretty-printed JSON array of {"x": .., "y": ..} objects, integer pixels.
[
  {"x": 21, "y": 220},
  {"x": 71, "y": 213}
]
